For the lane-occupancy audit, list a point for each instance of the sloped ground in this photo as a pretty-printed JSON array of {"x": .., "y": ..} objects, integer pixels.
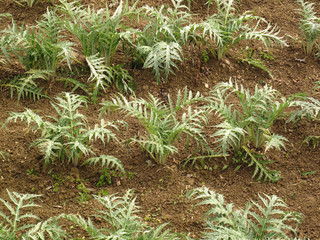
[{"x": 161, "y": 189}]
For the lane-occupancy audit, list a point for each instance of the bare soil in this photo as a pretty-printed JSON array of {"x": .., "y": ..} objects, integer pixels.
[{"x": 159, "y": 189}]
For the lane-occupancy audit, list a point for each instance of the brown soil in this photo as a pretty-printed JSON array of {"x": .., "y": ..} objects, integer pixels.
[{"x": 159, "y": 189}]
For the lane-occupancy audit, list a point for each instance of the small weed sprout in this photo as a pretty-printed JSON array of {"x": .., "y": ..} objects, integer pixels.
[
  {"x": 265, "y": 220},
  {"x": 256, "y": 62},
  {"x": 161, "y": 122},
  {"x": 84, "y": 195},
  {"x": 31, "y": 172},
  {"x": 3, "y": 154},
  {"x": 68, "y": 137},
  {"x": 105, "y": 178}
]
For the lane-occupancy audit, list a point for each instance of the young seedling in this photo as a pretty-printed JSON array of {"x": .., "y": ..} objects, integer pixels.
[
  {"x": 309, "y": 26},
  {"x": 159, "y": 45},
  {"x": 40, "y": 49},
  {"x": 29, "y": 3},
  {"x": 27, "y": 86},
  {"x": 68, "y": 136},
  {"x": 309, "y": 109},
  {"x": 266, "y": 220},
  {"x": 99, "y": 33},
  {"x": 19, "y": 222},
  {"x": 121, "y": 217},
  {"x": 161, "y": 122},
  {"x": 41, "y": 46},
  {"x": 226, "y": 28},
  {"x": 247, "y": 128}
]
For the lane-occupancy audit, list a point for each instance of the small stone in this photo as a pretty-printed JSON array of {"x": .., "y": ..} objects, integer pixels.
[
  {"x": 149, "y": 163},
  {"x": 191, "y": 181},
  {"x": 91, "y": 189},
  {"x": 75, "y": 172}
]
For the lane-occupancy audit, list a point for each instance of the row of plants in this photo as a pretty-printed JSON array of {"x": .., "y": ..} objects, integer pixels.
[
  {"x": 244, "y": 132},
  {"x": 266, "y": 219},
  {"x": 158, "y": 45},
  {"x": 68, "y": 137}
]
